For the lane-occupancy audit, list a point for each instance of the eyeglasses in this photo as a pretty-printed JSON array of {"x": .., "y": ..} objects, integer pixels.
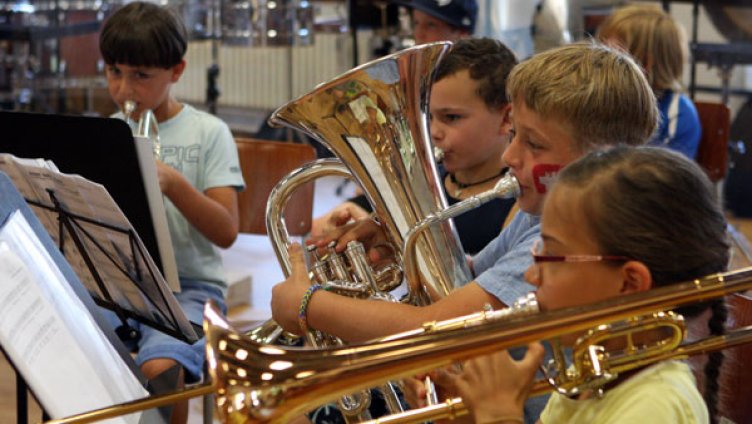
[{"x": 538, "y": 258}]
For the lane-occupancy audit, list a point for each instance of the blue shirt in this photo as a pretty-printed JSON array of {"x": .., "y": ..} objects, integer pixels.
[
  {"x": 686, "y": 137},
  {"x": 500, "y": 267}
]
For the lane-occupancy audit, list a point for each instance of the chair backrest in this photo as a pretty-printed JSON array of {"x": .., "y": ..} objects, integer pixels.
[
  {"x": 712, "y": 153},
  {"x": 264, "y": 163},
  {"x": 735, "y": 381}
]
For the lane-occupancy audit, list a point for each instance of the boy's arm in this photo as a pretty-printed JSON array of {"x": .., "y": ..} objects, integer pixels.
[
  {"x": 360, "y": 320},
  {"x": 214, "y": 213}
]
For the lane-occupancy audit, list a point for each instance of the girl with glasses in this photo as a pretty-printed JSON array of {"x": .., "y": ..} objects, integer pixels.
[{"x": 616, "y": 222}]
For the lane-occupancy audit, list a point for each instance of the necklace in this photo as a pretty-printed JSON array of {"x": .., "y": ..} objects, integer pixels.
[{"x": 461, "y": 186}]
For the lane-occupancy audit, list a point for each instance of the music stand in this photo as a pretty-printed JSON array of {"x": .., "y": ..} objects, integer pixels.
[
  {"x": 101, "y": 150},
  {"x": 12, "y": 201}
]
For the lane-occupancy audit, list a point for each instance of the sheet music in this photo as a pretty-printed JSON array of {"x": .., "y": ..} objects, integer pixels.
[
  {"x": 49, "y": 335},
  {"x": 128, "y": 272}
]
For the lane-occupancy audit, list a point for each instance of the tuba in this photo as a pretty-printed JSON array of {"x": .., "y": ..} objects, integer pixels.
[{"x": 374, "y": 118}]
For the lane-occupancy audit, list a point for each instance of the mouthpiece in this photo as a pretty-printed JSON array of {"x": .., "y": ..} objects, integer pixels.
[{"x": 438, "y": 154}]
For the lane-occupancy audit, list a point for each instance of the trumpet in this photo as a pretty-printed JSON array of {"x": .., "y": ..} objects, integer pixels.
[
  {"x": 257, "y": 383},
  {"x": 146, "y": 127}
]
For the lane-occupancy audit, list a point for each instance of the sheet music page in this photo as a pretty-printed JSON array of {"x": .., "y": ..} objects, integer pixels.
[
  {"x": 49, "y": 335},
  {"x": 127, "y": 271}
]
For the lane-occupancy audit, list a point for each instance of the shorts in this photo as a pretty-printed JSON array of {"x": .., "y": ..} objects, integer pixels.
[{"x": 154, "y": 344}]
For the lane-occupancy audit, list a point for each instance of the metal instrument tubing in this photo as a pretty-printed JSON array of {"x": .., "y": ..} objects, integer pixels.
[
  {"x": 137, "y": 405},
  {"x": 455, "y": 407}
]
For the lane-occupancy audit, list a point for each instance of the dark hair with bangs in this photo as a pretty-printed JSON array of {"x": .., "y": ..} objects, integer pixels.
[
  {"x": 658, "y": 207},
  {"x": 488, "y": 61},
  {"x": 143, "y": 34}
]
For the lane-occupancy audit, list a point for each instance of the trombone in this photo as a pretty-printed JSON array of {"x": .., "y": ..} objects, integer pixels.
[{"x": 262, "y": 383}]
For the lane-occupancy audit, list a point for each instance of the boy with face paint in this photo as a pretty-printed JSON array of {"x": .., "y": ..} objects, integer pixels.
[{"x": 565, "y": 102}]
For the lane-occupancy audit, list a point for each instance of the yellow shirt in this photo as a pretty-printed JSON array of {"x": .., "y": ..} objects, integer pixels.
[{"x": 663, "y": 393}]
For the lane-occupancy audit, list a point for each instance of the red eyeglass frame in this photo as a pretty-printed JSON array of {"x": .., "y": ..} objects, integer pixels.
[{"x": 573, "y": 258}]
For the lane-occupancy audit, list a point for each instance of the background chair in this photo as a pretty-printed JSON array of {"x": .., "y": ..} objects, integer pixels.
[
  {"x": 712, "y": 153},
  {"x": 736, "y": 374},
  {"x": 264, "y": 163}
]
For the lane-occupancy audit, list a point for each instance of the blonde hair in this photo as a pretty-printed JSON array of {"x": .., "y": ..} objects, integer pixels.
[
  {"x": 653, "y": 38},
  {"x": 600, "y": 93}
]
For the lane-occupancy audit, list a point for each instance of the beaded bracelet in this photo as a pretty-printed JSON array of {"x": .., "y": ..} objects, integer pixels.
[{"x": 303, "y": 309}]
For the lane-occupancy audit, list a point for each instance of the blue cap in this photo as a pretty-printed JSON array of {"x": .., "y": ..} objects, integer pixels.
[{"x": 458, "y": 13}]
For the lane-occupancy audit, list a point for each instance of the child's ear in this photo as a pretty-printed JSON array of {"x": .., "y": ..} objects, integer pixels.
[
  {"x": 177, "y": 71},
  {"x": 636, "y": 277},
  {"x": 506, "y": 121}
]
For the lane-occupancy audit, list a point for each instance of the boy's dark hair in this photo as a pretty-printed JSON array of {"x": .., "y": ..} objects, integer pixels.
[
  {"x": 488, "y": 61},
  {"x": 658, "y": 207},
  {"x": 143, "y": 34}
]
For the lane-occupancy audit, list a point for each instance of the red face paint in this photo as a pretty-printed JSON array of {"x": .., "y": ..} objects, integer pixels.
[{"x": 544, "y": 175}]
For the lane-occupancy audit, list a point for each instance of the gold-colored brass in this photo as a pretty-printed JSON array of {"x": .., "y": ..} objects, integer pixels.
[
  {"x": 272, "y": 384},
  {"x": 137, "y": 405},
  {"x": 262, "y": 383}
]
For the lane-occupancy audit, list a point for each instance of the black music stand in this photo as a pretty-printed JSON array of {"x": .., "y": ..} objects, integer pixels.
[
  {"x": 101, "y": 150},
  {"x": 132, "y": 264},
  {"x": 11, "y": 202}
]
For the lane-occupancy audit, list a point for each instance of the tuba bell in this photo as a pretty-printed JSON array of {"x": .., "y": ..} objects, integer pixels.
[{"x": 374, "y": 119}]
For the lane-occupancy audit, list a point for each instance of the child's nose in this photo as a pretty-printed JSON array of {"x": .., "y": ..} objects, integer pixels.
[
  {"x": 126, "y": 89},
  {"x": 437, "y": 134},
  {"x": 511, "y": 155}
]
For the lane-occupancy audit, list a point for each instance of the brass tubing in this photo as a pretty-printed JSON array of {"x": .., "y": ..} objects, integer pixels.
[
  {"x": 137, "y": 405},
  {"x": 281, "y": 194},
  {"x": 455, "y": 407},
  {"x": 313, "y": 377},
  {"x": 299, "y": 379}
]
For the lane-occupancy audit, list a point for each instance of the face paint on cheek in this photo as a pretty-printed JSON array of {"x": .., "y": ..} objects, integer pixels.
[{"x": 544, "y": 176}]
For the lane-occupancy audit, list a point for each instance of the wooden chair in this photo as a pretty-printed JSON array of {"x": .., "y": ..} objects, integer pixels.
[
  {"x": 264, "y": 163},
  {"x": 712, "y": 153},
  {"x": 736, "y": 374}
]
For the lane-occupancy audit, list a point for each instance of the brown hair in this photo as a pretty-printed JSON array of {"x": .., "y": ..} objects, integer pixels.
[
  {"x": 598, "y": 91},
  {"x": 659, "y": 208},
  {"x": 143, "y": 34},
  {"x": 488, "y": 62},
  {"x": 653, "y": 38}
]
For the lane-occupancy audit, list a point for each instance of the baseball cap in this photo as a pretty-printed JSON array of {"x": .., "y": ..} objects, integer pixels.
[{"x": 458, "y": 13}]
